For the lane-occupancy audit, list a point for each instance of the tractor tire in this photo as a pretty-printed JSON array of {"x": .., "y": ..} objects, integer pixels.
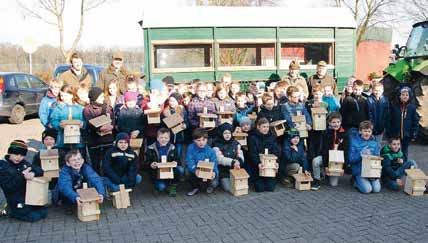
[
  {"x": 420, "y": 87},
  {"x": 17, "y": 114}
]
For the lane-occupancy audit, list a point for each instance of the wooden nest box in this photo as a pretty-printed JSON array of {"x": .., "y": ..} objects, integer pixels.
[
  {"x": 36, "y": 191},
  {"x": 100, "y": 121},
  {"x": 278, "y": 128},
  {"x": 153, "y": 115},
  {"x": 175, "y": 122},
  {"x": 205, "y": 170},
  {"x": 302, "y": 181},
  {"x": 71, "y": 131},
  {"x": 89, "y": 210},
  {"x": 239, "y": 182},
  {"x": 415, "y": 182},
  {"x": 49, "y": 162},
  {"x": 225, "y": 116},
  {"x": 207, "y": 120},
  {"x": 135, "y": 144},
  {"x": 300, "y": 124},
  {"x": 121, "y": 198},
  {"x": 319, "y": 118},
  {"x": 336, "y": 159},
  {"x": 165, "y": 169},
  {"x": 269, "y": 164},
  {"x": 241, "y": 137},
  {"x": 371, "y": 166}
]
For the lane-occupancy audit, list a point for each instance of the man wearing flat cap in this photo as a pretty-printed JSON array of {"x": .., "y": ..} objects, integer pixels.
[
  {"x": 321, "y": 77},
  {"x": 116, "y": 71},
  {"x": 294, "y": 78}
]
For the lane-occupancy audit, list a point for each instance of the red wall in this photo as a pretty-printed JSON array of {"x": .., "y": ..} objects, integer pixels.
[{"x": 372, "y": 56}]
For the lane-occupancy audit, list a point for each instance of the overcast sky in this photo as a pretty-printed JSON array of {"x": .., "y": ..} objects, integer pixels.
[{"x": 112, "y": 25}]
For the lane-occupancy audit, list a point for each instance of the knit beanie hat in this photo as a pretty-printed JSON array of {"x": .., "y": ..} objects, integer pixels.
[
  {"x": 94, "y": 93},
  {"x": 49, "y": 132},
  {"x": 18, "y": 147},
  {"x": 245, "y": 121},
  {"x": 131, "y": 96},
  {"x": 293, "y": 133},
  {"x": 225, "y": 127},
  {"x": 122, "y": 136},
  {"x": 177, "y": 96}
]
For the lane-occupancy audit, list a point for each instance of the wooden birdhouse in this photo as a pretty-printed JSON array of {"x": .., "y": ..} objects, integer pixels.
[
  {"x": 302, "y": 181},
  {"x": 371, "y": 166},
  {"x": 71, "y": 131},
  {"x": 269, "y": 164},
  {"x": 336, "y": 159},
  {"x": 239, "y": 182},
  {"x": 253, "y": 117},
  {"x": 165, "y": 169},
  {"x": 153, "y": 115},
  {"x": 121, "y": 198},
  {"x": 300, "y": 124},
  {"x": 319, "y": 118},
  {"x": 415, "y": 182},
  {"x": 175, "y": 122},
  {"x": 89, "y": 209},
  {"x": 49, "y": 163},
  {"x": 135, "y": 144},
  {"x": 207, "y": 120},
  {"x": 240, "y": 136},
  {"x": 278, "y": 128},
  {"x": 36, "y": 191},
  {"x": 225, "y": 116},
  {"x": 205, "y": 170},
  {"x": 100, "y": 121}
]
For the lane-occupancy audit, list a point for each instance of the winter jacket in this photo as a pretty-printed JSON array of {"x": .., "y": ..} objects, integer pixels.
[
  {"x": 390, "y": 162},
  {"x": 257, "y": 143},
  {"x": 403, "y": 121},
  {"x": 154, "y": 155},
  {"x": 227, "y": 151},
  {"x": 195, "y": 154},
  {"x": 291, "y": 156},
  {"x": 130, "y": 119},
  {"x": 289, "y": 110},
  {"x": 69, "y": 77},
  {"x": 178, "y": 138},
  {"x": 354, "y": 109},
  {"x": 150, "y": 130},
  {"x": 299, "y": 81},
  {"x": 356, "y": 147},
  {"x": 92, "y": 111},
  {"x": 228, "y": 104},
  {"x": 378, "y": 113},
  {"x": 197, "y": 106},
  {"x": 46, "y": 107},
  {"x": 70, "y": 180},
  {"x": 13, "y": 182},
  {"x": 121, "y": 166},
  {"x": 327, "y": 80},
  {"x": 271, "y": 115},
  {"x": 109, "y": 74},
  {"x": 61, "y": 113},
  {"x": 332, "y": 102},
  {"x": 331, "y": 137},
  {"x": 242, "y": 112}
]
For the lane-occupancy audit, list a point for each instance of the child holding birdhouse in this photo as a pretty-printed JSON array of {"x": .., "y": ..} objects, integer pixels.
[
  {"x": 71, "y": 177},
  {"x": 294, "y": 107},
  {"x": 269, "y": 110},
  {"x": 198, "y": 103},
  {"x": 163, "y": 151},
  {"x": 243, "y": 107},
  {"x": 222, "y": 101},
  {"x": 229, "y": 154},
  {"x": 14, "y": 173},
  {"x": 363, "y": 144},
  {"x": 130, "y": 118},
  {"x": 198, "y": 152},
  {"x": 354, "y": 108},
  {"x": 120, "y": 165},
  {"x": 394, "y": 164},
  {"x": 293, "y": 157}
]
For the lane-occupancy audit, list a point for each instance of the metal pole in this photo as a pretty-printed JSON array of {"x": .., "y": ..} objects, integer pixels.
[{"x": 31, "y": 63}]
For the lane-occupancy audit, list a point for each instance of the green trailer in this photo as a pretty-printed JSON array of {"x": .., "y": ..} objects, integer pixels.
[{"x": 250, "y": 43}]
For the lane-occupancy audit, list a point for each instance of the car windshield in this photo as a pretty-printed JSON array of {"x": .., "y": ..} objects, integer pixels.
[{"x": 417, "y": 44}]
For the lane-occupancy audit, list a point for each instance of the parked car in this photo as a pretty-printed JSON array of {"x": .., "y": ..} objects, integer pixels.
[
  {"x": 20, "y": 95},
  {"x": 94, "y": 70}
]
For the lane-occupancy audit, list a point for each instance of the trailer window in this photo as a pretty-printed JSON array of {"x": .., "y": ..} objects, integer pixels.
[
  {"x": 306, "y": 53},
  {"x": 183, "y": 56},
  {"x": 247, "y": 55}
]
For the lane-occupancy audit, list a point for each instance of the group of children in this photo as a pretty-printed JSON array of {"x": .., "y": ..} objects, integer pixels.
[{"x": 104, "y": 158}]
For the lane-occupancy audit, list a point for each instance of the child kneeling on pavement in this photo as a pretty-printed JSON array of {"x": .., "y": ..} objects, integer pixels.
[
  {"x": 155, "y": 151},
  {"x": 120, "y": 165},
  {"x": 14, "y": 173},
  {"x": 293, "y": 157}
]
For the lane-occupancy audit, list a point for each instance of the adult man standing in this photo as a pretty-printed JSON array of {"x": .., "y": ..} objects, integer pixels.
[
  {"x": 293, "y": 78},
  {"x": 321, "y": 77},
  {"x": 116, "y": 71},
  {"x": 77, "y": 75}
]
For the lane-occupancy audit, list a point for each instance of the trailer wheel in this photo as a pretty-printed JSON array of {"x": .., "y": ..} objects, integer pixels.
[{"x": 17, "y": 114}]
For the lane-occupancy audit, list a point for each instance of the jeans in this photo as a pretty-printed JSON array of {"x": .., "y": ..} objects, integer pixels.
[
  {"x": 225, "y": 184},
  {"x": 365, "y": 185},
  {"x": 96, "y": 156},
  {"x": 400, "y": 172},
  {"x": 161, "y": 185},
  {"x": 29, "y": 213},
  {"x": 317, "y": 164},
  {"x": 379, "y": 138},
  {"x": 405, "y": 143},
  {"x": 196, "y": 182},
  {"x": 115, "y": 187}
]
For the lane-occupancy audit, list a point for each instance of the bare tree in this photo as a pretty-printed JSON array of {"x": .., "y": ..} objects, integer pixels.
[
  {"x": 238, "y": 2},
  {"x": 415, "y": 10},
  {"x": 52, "y": 12}
]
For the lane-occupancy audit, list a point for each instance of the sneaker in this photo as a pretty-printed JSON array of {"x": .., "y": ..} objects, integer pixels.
[
  {"x": 3, "y": 210},
  {"x": 316, "y": 184},
  {"x": 193, "y": 192},
  {"x": 173, "y": 191},
  {"x": 210, "y": 189}
]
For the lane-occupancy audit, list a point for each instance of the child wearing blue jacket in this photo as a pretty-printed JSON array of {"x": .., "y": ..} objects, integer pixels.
[
  {"x": 199, "y": 151},
  {"x": 364, "y": 143},
  {"x": 293, "y": 157},
  {"x": 71, "y": 177},
  {"x": 48, "y": 102},
  {"x": 293, "y": 106},
  {"x": 243, "y": 107},
  {"x": 378, "y": 110}
]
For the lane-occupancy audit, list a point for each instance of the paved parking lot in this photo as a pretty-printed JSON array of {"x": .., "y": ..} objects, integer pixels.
[{"x": 329, "y": 215}]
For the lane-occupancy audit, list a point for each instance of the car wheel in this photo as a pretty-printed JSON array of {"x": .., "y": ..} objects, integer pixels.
[{"x": 17, "y": 114}]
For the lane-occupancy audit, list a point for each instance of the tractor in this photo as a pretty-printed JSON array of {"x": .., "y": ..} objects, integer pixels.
[{"x": 411, "y": 69}]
